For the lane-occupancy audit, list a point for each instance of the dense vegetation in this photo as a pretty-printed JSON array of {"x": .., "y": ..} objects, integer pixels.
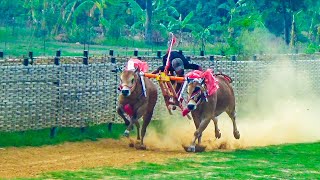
[{"x": 232, "y": 26}]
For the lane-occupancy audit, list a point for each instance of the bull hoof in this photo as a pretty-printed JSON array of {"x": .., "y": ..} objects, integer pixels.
[
  {"x": 131, "y": 145},
  {"x": 236, "y": 134},
  {"x": 140, "y": 147},
  {"x": 126, "y": 133},
  {"x": 191, "y": 149},
  {"x": 218, "y": 135},
  {"x": 196, "y": 148}
]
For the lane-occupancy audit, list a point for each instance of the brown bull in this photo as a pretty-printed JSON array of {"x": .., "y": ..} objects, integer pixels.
[
  {"x": 207, "y": 104},
  {"x": 136, "y": 103}
]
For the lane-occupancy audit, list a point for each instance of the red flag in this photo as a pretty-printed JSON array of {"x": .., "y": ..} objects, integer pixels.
[
  {"x": 174, "y": 39},
  {"x": 172, "y": 42}
]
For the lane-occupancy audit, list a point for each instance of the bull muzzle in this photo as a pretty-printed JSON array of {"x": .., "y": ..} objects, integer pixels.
[
  {"x": 125, "y": 92},
  {"x": 192, "y": 105}
]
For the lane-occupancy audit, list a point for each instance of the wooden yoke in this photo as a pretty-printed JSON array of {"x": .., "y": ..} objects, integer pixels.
[
  {"x": 162, "y": 76},
  {"x": 167, "y": 89}
]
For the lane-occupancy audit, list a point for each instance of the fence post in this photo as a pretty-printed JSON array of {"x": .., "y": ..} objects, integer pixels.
[
  {"x": 85, "y": 57},
  {"x": 159, "y": 54},
  {"x": 233, "y": 58},
  {"x": 111, "y": 52},
  {"x": 135, "y": 52},
  {"x": 53, "y": 130},
  {"x": 211, "y": 58},
  {"x": 57, "y": 58},
  {"x": 31, "y": 57},
  {"x": 202, "y": 53},
  {"x": 115, "y": 70},
  {"x": 254, "y": 57},
  {"x": 58, "y": 53},
  {"x": 180, "y": 51},
  {"x": 26, "y": 61},
  {"x": 1, "y": 54},
  {"x": 85, "y": 62}
]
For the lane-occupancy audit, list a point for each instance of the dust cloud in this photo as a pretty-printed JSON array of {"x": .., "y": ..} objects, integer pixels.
[{"x": 284, "y": 109}]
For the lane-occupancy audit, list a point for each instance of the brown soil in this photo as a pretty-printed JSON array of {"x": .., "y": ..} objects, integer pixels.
[{"x": 32, "y": 161}]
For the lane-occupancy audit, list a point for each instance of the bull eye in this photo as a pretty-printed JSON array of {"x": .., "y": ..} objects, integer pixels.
[
  {"x": 132, "y": 80},
  {"x": 196, "y": 89}
]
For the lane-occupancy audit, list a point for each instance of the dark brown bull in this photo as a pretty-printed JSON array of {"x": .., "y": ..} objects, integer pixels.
[
  {"x": 133, "y": 101},
  {"x": 205, "y": 108}
]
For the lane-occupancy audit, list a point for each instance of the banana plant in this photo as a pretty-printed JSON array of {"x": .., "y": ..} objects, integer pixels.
[
  {"x": 201, "y": 34},
  {"x": 90, "y": 7}
]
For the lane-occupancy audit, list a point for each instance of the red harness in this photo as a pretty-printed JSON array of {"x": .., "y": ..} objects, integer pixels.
[
  {"x": 131, "y": 88},
  {"x": 197, "y": 93}
]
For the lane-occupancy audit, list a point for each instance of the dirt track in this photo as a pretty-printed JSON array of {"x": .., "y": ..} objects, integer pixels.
[{"x": 30, "y": 162}]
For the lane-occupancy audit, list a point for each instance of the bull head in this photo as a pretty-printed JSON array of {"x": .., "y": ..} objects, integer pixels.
[
  {"x": 128, "y": 80},
  {"x": 195, "y": 91}
]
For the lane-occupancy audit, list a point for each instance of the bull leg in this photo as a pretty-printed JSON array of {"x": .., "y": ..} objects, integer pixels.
[
  {"x": 199, "y": 138},
  {"x": 138, "y": 129},
  {"x": 120, "y": 111},
  {"x": 196, "y": 120},
  {"x": 203, "y": 125},
  {"x": 146, "y": 120},
  {"x": 216, "y": 128},
  {"x": 232, "y": 115},
  {"x": 134, "y": 120}
]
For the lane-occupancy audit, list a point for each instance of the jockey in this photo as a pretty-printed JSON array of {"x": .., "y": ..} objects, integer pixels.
[{"x": 177, "y": 64}]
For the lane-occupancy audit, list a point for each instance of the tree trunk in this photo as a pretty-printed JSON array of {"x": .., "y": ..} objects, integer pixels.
[
  {"x": 148, "y": 28},
  {"x": 293, "y": 34},
  {"x": 286, "y": 23}
]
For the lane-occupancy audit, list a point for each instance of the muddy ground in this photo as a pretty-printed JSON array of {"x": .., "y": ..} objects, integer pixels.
[{"x": 32, "y": 161}]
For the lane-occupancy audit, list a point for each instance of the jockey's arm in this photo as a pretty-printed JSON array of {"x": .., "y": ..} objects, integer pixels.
[
  {"x": 193, "y": 66},
  {"x": 161, "y": 68}
]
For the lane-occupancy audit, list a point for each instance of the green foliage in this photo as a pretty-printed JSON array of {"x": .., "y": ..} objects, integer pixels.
[
  {"x": 312, "y": 48},
  {"x": 209, "y": 22}
]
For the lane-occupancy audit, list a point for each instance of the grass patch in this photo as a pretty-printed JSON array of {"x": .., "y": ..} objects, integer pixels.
[
  {"x": 299, "y": 161},
  {"x": 42, "y": 137}
]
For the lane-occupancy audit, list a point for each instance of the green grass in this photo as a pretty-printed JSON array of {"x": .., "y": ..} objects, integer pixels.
[
  {"x": 290, "y": 161},
  {"x": 42, "y": 137},
  {"x": 294, "y": 161}
]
